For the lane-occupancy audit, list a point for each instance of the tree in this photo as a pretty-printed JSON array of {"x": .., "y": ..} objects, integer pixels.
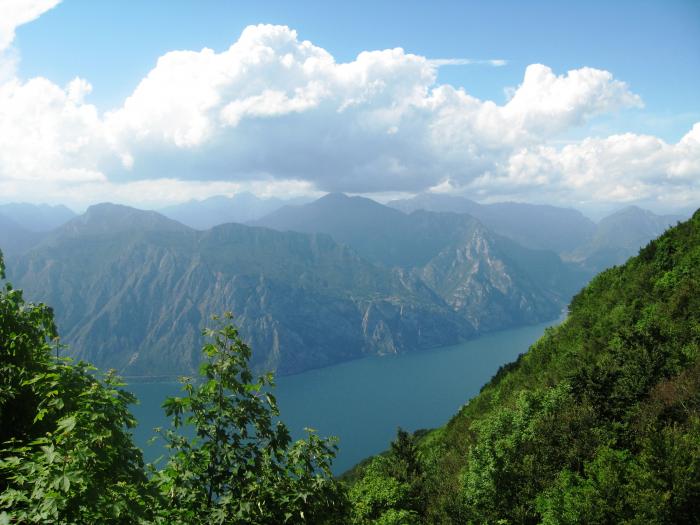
[
  {"x": 242, "y": 466},
  {"x": 66, "y": 454},
  {"x": 391, "y": 488}
]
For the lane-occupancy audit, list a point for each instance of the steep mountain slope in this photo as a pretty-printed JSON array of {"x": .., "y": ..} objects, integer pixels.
[
  {"x": 131, "y": 290},
  {"x": 599, "y": 422},
  {"x": 37, "y": 217},
  {"x": 534, "y": 226},
  {"x": 489, "y": 280},
  {"x": 494, "y": 283},
  {"x": 621, "y": 235},
  {"x": 207, "y": 213}
]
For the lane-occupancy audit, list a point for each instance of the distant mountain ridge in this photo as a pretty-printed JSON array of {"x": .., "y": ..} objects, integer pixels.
[
  {"x": 620, "y": 235},
  {"x": 132, "y": 289},
  {"x": 37, "y": 217},
  {"x": 566, "y": 231},
  {"x": 474, "y": 270},
  {"x": 532, "y": 225},
  {"x": 213, "y": 211},
  {"x": 23, "y": 225},
  {"x": 15, "y": 239},
  {"x": 135, "y": 298}
]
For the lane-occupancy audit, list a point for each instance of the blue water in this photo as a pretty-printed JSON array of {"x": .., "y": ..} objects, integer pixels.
[{"x": 363, "y": 402}]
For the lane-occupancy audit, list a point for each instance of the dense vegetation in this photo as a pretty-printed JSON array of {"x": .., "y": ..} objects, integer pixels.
[
  {"x": 598, "y": 423},
  {"x": 67, "y": 455}
]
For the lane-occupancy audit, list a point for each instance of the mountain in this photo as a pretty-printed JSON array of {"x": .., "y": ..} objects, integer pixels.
[
  {"x": 534, "y": 226},
  {"x": 15, "y": 239},
  {"x": 242, "y": 207},
  {"x": 36, "y": 217},
  {"x": 621, "y": 235},
  {"x": 482, "y": 275},
  {"x": 132, "y": 290},
  {"x": 375, "y": 231},
  {"x": 599, "y": 422}
]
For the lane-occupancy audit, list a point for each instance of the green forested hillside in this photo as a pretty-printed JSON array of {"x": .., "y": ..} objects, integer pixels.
[{"x": 597, "y": 423}]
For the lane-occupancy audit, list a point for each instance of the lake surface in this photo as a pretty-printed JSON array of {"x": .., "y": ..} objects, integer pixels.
[{"x": 363, "y": 402}]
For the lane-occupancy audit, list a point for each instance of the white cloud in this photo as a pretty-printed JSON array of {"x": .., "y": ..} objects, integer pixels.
[
  {"x": 14, "y": 13},
  {"x": 616, "y": 169},
  {"x": 276, "y": 105},
  {"x": 48, "y": 133}
]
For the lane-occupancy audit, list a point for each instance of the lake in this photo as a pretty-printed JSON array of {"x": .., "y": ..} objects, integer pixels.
[{"x": 363, "y": 402}]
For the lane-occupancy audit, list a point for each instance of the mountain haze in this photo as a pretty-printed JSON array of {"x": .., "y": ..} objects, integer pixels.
[
  {"x": 134, "y": 296},
  {"x": 15, "y": 239},
  {"x": 37, "y": 217},
  {"x": 531, "y": 225},
  {"x": 132, "y": 288},
  {"x": 207, "y": 213},
  {"x": 481, "y": 274},
  {"x": 620, "y": 235}
]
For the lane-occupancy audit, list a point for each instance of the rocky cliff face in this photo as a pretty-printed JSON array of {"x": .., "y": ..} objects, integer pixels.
[
  {"x": 132, "y": 290},
  {"x": 136, "y": 299},
  {"x": 475, "y": 278}
]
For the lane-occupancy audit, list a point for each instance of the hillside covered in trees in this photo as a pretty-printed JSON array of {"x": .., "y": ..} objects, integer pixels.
[{"x": 598, "y": 422}]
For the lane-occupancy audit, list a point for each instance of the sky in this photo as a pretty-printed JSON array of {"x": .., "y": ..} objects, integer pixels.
[{"x": 593, "y": 105}]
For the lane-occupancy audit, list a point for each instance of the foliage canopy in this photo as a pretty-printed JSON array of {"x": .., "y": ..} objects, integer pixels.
[
  {"x": 599, "y": 422},
  {"x": 67, "y": 455}
]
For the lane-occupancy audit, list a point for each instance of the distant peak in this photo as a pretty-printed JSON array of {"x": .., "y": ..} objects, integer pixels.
[
  {"x": 631, "y": 210},
  {"x": 335, "y": 196},
  {"x": 110, "y": 217}
]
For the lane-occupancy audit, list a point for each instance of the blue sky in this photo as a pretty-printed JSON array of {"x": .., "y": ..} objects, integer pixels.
[{"x": 651, "y": 47}]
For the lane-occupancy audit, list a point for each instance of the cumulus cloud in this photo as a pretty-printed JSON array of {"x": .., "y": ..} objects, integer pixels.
[
  {"x": 14, "y": 13},
  {"x": 274, "y": 111},
  {"x": 617, "y": 169},
  {"x": 18, "y": 12},
  {"x": 275, "y": 103},
  {"x": 49, "y": 133}
]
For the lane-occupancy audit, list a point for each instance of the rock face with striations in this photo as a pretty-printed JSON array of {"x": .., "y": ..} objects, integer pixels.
[
  {"x": 489, "y": 280},
  {"x": 132, "y": 290}
]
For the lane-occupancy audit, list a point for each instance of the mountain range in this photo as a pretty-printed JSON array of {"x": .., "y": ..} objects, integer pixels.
[
  {"x": 310, "y": 285},
  {"x": 619, "y": 236},
  {"x": 23, "y": 225},
  {"x": 242, "y": 207},
  {"x": 535, "y": 226},
  {"x": 132, "y": 289}
]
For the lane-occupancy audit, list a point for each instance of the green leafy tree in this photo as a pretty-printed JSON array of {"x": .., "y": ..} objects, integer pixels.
[
  {"x": 66, "y": 454},
  {"x": 379, "y": 498},
  {"x": 242, "y": 466},
  {"x": 391, "y": 488}
]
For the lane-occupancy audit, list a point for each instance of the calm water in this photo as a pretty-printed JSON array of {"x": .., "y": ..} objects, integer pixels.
[{"x": 363, "y": 402}]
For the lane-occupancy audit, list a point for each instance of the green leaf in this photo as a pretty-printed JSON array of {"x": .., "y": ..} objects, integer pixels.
[{"x": 67, "y": 424}]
